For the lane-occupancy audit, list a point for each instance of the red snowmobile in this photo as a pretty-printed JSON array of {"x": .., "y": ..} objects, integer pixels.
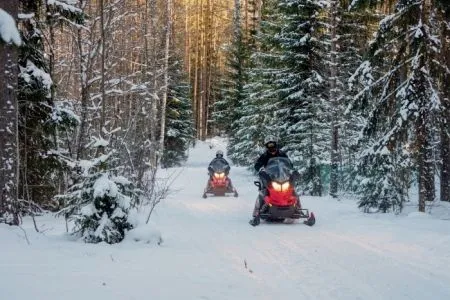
[
  {"x": 219, "y": 184},
  {"x": 281, "y": 202}
]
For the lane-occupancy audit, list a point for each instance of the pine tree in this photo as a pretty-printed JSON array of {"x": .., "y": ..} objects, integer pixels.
[
  {"x": 252, "y": 117},
  {"x": 40, "y": 118},
  {"x": 404, "y": 98},
  {"x": 99, "y": 201},
  {"x": 302, "y": 113},
  {"x": 180, "y": 125},
  {"x": 355, "y": 31},
  {"x": 342, "y": 44},
  {"x": 228, "y": 108}
]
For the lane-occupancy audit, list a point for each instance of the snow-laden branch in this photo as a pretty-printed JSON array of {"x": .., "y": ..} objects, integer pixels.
[
  {"x": 8, "y": 29},
  {"x": 68, "y": 5}
]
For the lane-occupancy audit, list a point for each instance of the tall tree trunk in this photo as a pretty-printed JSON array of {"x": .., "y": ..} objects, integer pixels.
[
  {"x": 187, "y": 42},
  {"x": 334, "y": 99},
  {"x": 207, "y": 65},
  {"x": 154, "y": 93},
  {"x": 195, "y": 97},
  {"x": 102, "y": 62},
  {"x": 9, "y": 138},
  {"x": 166, "y": 77},
  {"x": 84, "y": 70},
  {"x": 426, "y": 174},
  {"x": 445, "y": 123},
  {"x": 84, "y": 97},
  {"x": 201, "y": 65},
  {"x": 426, "y": 163}
]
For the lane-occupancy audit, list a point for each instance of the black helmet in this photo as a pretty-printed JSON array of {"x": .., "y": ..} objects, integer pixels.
[{"x": 219, "y": 154}]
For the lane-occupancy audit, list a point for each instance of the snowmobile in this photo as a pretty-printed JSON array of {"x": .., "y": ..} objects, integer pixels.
[
  {"x": 219, "y": 184},
  {"x": 281, "y": 202}
]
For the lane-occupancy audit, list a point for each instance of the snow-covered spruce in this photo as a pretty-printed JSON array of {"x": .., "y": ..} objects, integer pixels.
[
  {"x": 401, "y": 102},
  {"x": 99, "y": 202}
]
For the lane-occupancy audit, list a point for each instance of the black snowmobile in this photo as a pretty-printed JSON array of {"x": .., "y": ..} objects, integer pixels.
[
  {"x": 219, "y": 184},
  {"x": 281, "y": 202}
]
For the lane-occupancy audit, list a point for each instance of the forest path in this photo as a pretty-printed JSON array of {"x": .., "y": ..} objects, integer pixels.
[
  {"x": 209, "y": 251},
  {"x": 346, "y": 255}
]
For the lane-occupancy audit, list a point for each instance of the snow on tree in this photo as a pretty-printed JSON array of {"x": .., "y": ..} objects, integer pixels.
[
  {"x": 8, "y": 29},
  {"x": 302, "y": 112},
  {"x": 38, "y": 121},
  {"x": 443, "y": 16},
  {"x": 234, "y": 104},
  {"x": 403, "y": 100},
  {"x": 253, "y": 90},
  {"x": 353, "y": 33},
  {"x": 282, "y": 96},
  {"x": 99, "y": 201},
  {"x": 9, "y": 158},
  {"x": 180, "y": 126}
]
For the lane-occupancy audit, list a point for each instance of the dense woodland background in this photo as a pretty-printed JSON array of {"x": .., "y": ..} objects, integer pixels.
[{"x": 105, "y": 92}]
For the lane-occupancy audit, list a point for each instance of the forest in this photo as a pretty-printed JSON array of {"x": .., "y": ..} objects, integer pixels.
[{"x": 104, "y": 93}]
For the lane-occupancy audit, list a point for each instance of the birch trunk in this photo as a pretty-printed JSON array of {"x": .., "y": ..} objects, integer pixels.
[
  {"x": 166, "y": 77},
  {"x": 9, "y": 164}
]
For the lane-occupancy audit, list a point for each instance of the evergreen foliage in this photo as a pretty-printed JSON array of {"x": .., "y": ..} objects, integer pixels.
[
  {"x": 180, "y": 130},
  {"x": 39, "y": 118},
  {"x": 362, "y": 102},
  {"x": 299, "y": 115},
  {"x": 403, "y": 100},
  {"x": 354, "y": 33},
  {"x": 35, "y": 110},
  {"x": 252, "y": 115},
  {"x": 99, "y": 201},
  {"x": 231, "y": 107}
]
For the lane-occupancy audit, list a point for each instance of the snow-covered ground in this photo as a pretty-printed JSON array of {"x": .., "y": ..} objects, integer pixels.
[{"x": 209, "y": 251}]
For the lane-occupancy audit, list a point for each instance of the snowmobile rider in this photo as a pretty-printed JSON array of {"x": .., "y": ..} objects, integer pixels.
[
  {"x": 272, "y": 150},
  {"x": 219, "y": 156},
  {"x": 225, "y": 166}
]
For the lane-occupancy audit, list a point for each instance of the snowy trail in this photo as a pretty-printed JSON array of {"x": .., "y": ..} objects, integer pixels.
[
  {"x": 317, "y": 263},
  {"x": 211, "y": 252}
]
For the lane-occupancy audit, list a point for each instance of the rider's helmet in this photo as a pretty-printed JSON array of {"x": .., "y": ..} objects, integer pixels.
[
  {"x": 219, "y": 154},
  {"x": 271, "y": 143}
]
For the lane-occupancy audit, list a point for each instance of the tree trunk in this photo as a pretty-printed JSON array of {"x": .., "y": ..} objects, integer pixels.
[
  {"x": 9, "y": 165},
  {"x": 207, "y": 65},
  {"x": 445, "y": 152},
  {"x": 166, "y": 77},
  {"x": 154, "y": 79},
  {"x": 334, "y": 99},
  {"x": 84, "y": 96},
  {"x": 195, "y": 104},
  {"x": 445, "y": 123},
  {"x": 425, "y": 166},
  {"x": 201, "y": 65},
  {"x": 102, "y": 62}
]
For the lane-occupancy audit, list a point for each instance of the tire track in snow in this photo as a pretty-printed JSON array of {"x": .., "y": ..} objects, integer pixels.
[
  {"x": 321, "y": 262},
  {"x": 396, "y": 253}
]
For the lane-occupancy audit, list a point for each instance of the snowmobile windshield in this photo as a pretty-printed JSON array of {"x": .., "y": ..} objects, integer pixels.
[
  {"x": 219, "y": 166},
  {"x": 279, "y": 169}
]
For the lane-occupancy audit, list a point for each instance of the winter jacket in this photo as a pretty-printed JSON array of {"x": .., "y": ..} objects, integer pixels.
[
  {"x": 264, "y": 158},
  {"x": 223, "y": 160}
]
